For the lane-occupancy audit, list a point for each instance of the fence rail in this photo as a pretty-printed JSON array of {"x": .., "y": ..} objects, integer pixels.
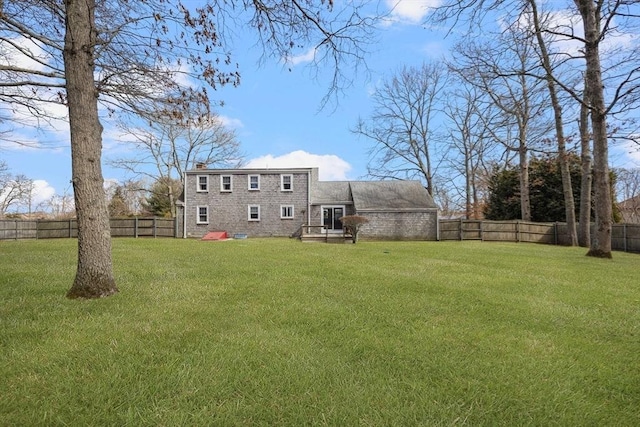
[
  {"x": 54, "y": 229},
  {"x": 624, "y": 237}
]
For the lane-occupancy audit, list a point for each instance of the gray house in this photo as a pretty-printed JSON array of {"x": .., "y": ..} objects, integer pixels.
[{"x": 291, "y": 202}]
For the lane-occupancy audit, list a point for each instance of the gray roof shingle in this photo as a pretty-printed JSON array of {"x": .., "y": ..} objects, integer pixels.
[
  {"x": 374, "y": 195},
  {"x": 331, "y": 192},
  {"x": 390, "y": 195}
]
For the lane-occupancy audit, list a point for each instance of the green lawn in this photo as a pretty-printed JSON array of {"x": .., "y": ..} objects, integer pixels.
[{"x": 279, "y": 332}]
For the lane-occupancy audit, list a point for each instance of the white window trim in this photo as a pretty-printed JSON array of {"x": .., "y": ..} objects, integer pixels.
[
  {"x": 282, "y": 182},
  {"x": 292, "y": 212},
  {"x": 222, "y": 189},
  {"x": 249, "y": 182},
  {"x": 249, "y": 213},
  {"x": 198, "y": 189},
  {"x": 198, "y": 215}
]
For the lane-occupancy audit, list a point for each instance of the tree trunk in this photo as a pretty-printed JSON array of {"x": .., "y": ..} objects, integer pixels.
[
  {"x": 584, "y": 230},
  {"x": 525, "y": 199},
  {"x": 567, "y": 191},
  {"x": 567, "y": 188},
  {"x": 476, "y": 201},
  {"x": 601, "y": 241},
  {"x": 467, "y": 182},
  {"x": 94, "y": 275}
]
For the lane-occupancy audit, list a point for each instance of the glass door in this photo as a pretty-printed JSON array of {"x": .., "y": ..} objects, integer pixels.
[{"x": 331, "y": 218}]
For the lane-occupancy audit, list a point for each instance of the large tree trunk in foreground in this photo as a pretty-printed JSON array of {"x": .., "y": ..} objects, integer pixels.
[
  {"x": 601, "y": 241},
  {"x": 94, "y": 276}
]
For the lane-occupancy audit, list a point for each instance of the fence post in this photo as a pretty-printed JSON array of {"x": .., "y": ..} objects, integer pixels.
[
  {"x": 460, "y": 230},
  {"x": 555, "y": 233},
  {"x": 517, "y": 231},
  {"x": 135, "y": 227},
  {"x": 16, "y": 228},
  {"x": 155, "y": 228},
  {"x": 482, "y": 231},
  {"x": 624, "y": 236}
]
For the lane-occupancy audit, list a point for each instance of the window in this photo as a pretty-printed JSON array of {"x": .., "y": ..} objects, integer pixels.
[
  {"x": 203, "y": 183},
  {"x": 254, "y": 213},
  {"x": 286, "y": 182},
  {"x": 286, "y": 212},
  {"x": 225, "y": 183},
  {"x": 203, "y": 215},
  {"x": 254, "y": 182}
]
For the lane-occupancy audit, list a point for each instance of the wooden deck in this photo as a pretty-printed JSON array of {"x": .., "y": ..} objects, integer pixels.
[
  {"x": 317, "y": 233},
  {"x": 326, "y": 238}
]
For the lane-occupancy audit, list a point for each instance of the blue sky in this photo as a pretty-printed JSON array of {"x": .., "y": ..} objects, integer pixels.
[{"x": 275, "y": 111}]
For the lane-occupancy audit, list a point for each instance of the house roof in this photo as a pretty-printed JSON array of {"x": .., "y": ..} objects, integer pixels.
[
  {"x": 390, "y": 195},
  {"x": 331, "y": 192},
  {"x": 630, "y": 204}
]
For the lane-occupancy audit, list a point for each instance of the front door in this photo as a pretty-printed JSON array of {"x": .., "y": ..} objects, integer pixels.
[{"x": 331, "y": 218}]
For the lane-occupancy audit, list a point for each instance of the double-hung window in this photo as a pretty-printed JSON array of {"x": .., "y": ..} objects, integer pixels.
[
  {"x": 286, "y": 182},
  {"x": 203, "y": 215},
  {"x": 226, "y": 183},
  {"x": 254, "y": 213},
  {"x": 203, "y": 183},
  {"x": 286, "y": 212},
  {"x": 254, "y": 182}
]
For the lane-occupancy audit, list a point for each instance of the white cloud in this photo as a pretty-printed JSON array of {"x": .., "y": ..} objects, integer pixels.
[
  {"x": 230, "y": 122},
  {"x": 42, "y": 191},
  {"x": 625, "y": 155},
  {"x": 28, "y": 54},
  {"x": 410, "y": 11},
  {"x": 304, "y": 58},
  {"x": 35, "y": 59},
  {"x": 331, "y": 167}
]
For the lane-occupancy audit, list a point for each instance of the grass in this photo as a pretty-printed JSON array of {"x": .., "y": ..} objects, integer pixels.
[{"x": 278, "y": 332}]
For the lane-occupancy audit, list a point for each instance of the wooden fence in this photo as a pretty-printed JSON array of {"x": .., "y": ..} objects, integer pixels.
[
  {"x": 624, "y": 237},
  {"x": 68, "y": 228}
]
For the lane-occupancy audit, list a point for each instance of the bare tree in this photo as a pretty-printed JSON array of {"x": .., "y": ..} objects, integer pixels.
[
  {"x": 502, "y": 69},
  {"x": 628, "y": 188},
  {"x": 167, "y": 146},
  {"x": 584, "y": 224},
  {"x": 537, "y": 22},
  {"x": 472, "y": 142},
  {"x": 134, "y": 193},
  {"x": 94, "y": 275},
  {"x": 14, "y": 190},
  {"x": 132, "y": 54},
  {"x": 401, "y": 127},
  {"x": 591, "y": 21},
  {"x": 601, "y": 20},
  {"x": 60, "y": 205}
]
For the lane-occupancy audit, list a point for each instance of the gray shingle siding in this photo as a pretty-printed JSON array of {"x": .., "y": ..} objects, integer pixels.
[
  {"x": 229, "y": 211},
  {"x": 400, "y": 225},
  {"x": 400, "y": 210}
]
